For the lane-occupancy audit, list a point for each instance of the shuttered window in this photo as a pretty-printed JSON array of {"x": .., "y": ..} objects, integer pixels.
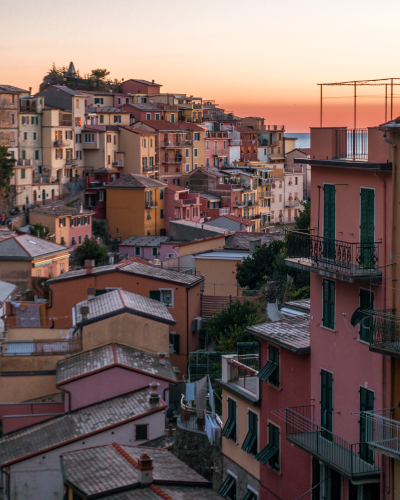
[
  {"x": 367, "y": 228},
  {"x": 326, "y": 403},
  {"x": 270, "y": 454},
  {"x": 230, "y": 425},
  {"x": 367, "y": 403},
  {"x": 328, "y": 303},
  {"x": 250, "y": 442},
  {"x": 329, "y": 210}
]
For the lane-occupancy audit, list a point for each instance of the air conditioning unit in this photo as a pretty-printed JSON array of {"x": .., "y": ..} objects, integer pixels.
[{"x": 197, "y": 324}]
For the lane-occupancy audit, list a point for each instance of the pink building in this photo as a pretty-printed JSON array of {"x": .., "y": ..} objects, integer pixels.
[
  {"x": 133, "y": 86},
  {"x": 216, "y": 153},
  {"x": 95, "y": 192},
  {"x": 149, "y": 247},
  {"x": 181, "y": 204},
  {"x": 144, "y": 111},
  {"x": 346, "y": 254}
]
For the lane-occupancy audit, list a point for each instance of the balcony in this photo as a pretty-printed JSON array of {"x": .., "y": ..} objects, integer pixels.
[
  {"x": 352, "y": 460},
  {"x": 71, "y": 161},
  {"x": 24, "y": 162},
  {"x": 239, "y": 375},
  {"x": 383, "y": 433},
  {"x": 173, "y": 144},
  {"x": 250, "y": 203},
  {"x": 350, "y": 262},
  {"x": 151, "y": 204},
  {"x": 171, "y": 159},
  {"x": 65, "y": 142},
  {"x": 41, "y": 347},
  {"x": 117, "y": 163},
  {"x": 384, "y": 331},
  {"x": 65, "y": 123},
  {"x": 194, "y": 421},
  {"x": 290, "y": 203}
]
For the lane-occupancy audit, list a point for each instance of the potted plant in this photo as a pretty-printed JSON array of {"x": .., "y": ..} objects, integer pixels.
[
  {"x": 200, "y": 423},
  {"x": 186, "y": 413}
]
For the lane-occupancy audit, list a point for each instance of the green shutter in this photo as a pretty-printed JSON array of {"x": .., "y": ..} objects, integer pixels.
[
  {"x": 367, "y": 403},
  {"x": 367, "y": 228},
  {"x": 155, "y": 295},
  {"x": 329, "y": 210},
  {"x": 328, "y": 303},
  {"x": 176, "y": 343},
  {"x": 326, "y": 403}
]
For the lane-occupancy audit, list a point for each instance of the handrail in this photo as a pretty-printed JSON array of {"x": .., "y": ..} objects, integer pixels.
[{"x": 192, "y": 410}]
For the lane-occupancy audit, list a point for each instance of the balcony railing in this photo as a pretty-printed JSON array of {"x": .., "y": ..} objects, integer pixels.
[
  {"x": 41, "y": 347},
  {"x": 352, "y": 144},
  {"x": 315, "y": 253},
  {"x": 151, "y": 204},
  {"x": 170, "y": 160},
  {"x": 292, "y": 203},
  {"x": 352, "y": 460},
  {"x": 65, "y": 123},
  {"x": 383, "y": 433},
  {"x": 64, "y": 142},
  {"x": 117, "y": 163},
  {"x": 173, "y": 144},
  {"x": 242, "y": 371},
  {"x": 384, "y": 329}
]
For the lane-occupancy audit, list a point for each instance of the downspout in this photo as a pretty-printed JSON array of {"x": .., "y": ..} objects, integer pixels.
[
  {"x": 187, "y": 325},
  {"x": 69, "y": 397}
]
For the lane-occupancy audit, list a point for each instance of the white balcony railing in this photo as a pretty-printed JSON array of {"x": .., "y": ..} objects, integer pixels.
[
  {"x": 383, "y": 433},
  {"x": 242, "y": 371}
]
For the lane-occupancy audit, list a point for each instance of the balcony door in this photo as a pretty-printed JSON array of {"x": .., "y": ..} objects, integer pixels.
[
  {"x": 329, "y": 220},
  {"x": 326, "y": 403},
  {"x": 367, "y": 402},
  {"x": 367, "y": 228}
]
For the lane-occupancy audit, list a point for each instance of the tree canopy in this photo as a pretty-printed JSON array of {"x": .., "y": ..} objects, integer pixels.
[
  {"x": 39, "y": 230},
  {"x": 99, "y": 74},
  {"x": 257, "y": 268},
  {"x": 91, "y": 250},
  {"x": 6, "y": 169},
  {"x": 303, "y": 217}
]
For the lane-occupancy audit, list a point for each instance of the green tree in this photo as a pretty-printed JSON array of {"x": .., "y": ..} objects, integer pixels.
[
  {"x": 6, "y": 169},
  {"x": 99, "y": 74},
  {"x": 99, "y": 228},
  {"x": 39, "y": 230},
  {"x": 228, "y": 327},
  {"x": 303, "y": 217},
  {"x": 91, "y": 250},
  {"x": 256, "y": 269}
]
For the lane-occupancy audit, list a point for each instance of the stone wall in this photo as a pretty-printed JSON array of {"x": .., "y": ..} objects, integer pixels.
[
  {"x": 243, "y": 477},
  {"x": 192, "y": 447}
]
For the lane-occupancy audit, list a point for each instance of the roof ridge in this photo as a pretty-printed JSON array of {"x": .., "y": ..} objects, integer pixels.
[
  {"x": 122, "y": 297},
  {"x": 125, "y": 455},
  {"x": 160, "y": 492}
]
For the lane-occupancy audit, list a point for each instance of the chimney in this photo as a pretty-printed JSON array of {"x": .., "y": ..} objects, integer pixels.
[
  {"x": 253, "y": 245},
  {"x": 84, "y": 312},
  {"x": 89, "y": 264},
  {"x": 154, "y": 397},
  {"x": 145, "y": 469},
  {"x": 161, "y": 357},
  {"x": 30, "y": 90},
  {"x": 152, "y": 81},
  {"x": 91, "y": 293}
]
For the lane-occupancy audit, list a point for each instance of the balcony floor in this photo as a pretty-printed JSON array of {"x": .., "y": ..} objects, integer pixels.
[
  {"x": 389, "y": 447},
  {"x": 353, "y": 274},
  {"x": 344, "y": 461}
]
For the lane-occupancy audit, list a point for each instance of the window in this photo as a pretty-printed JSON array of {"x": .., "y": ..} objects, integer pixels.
[
  {"x": 119, "y": 100},
  {"x": 62, "y": 243},
  {"x": 270, "y": 370},
  {"x": 12, "y": 118},
  {"x": 272, "y": 151},
  {"x": 144, "y": 143},
  {"x": 250, "y": 495},
  {"x": 187, "y": 167},
  {"x": 78, "y": 122},
  {"x": 101, "y": 118},
  {"x": 151, "y": 161},
  {"x": 137, "y": 250},
  {"x": 36, "y": 154},
  {"x": 100, "y": 195},
  {"x": 196, "y": 165},
  {"x": 98, "y": 100},
  {"x": 165, "y": 295},
  {"x": 161, "y": 194},
  {"x": 367, "y": 403},
  {"x": 148, "y": 215},
  {"x": 59, "y": 154},
  {"x": 115, "y": 139},
  {"x": 196, "y": 152},
  {"x": 117, "y": 119},
  {"x": 174, "y": 344},
  {"x": 79, "y": 155},
  {"x": 79, "y": 239},
  {"x": 208, "y": 162},
  {"x": 61, "y": 222},
  {"x": 78, "y": 138},
  {"x": 34, "y": 136},
  {"x": 35, "y": 120},
  {"x": 296, "y": 181},
  {"x": 25, "y": 120},
  {"x": 154, "y": 251},
  {"x": 141, "y": 432},
  {"x": 195, "y": 212},
  {"x": 250, "y": 442},
  {"x": 279, "y": 150},
  {"x": 77, "y": 103},
  {"x": 366, "y": 302},
  {"x": 230, "y": 426},
  {"x": 25, "y": 136},
  {"x": 23, "y": 154},
  {"x": 187, "y": 153},
  {"x": 328, "y": 301},
  {"x": 161, "y": 213},
  {"x": 108, "y": 159},
  {"x": 126, "y": 100},
  {"x": 228, "y": 488},
  {"x": 207, "y": 145},
  {"x": 148, "y": 116},
  {"x": 23, "y": 170},
  {"x": 151, "y": 142},
  {"x": 89, "y": 138},
  {"x": 172, "y": 117},
  {"x": 270, "y": 454},
  {"x": 73, "y": 241},
  {"x": 224, "y": 143},
  {"x": 157, "y": 116},
  {"x": 367, "y": 228},
  {"x": 171, "y": 255},
  {"x": 327, "y": 404}
]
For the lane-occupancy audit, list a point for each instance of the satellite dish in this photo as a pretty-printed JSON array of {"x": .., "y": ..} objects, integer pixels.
[{"x": 357, "y": 317}]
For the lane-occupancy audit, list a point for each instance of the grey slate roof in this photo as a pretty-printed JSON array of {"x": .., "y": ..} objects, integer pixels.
[
  {"x": 135, "y": 181},
  {"x": 28, "y": 247},
  {"x": 292, "y": 333},
  {"x": 87, "y": 362},
  {"x": 175, "y": 492},
  {"x": 145, "y": 241},
  {"x": 299, "y": 304},
  {"x": 145, "y": 106},
  {"x": 60, "y": 210},
  {"x": 65, "y": 89},
  {"x": 101, "y": 469},
  {"x": 9, "y": 89},
  {"x": 241, "y": 240},
  {"x": 72, "y": 426},
  {"x": 6, "y": 289},
  {"x": 199, "y": 225},
  {"x": 119, "y": 301},
  {"x": 136, "y": 269}
]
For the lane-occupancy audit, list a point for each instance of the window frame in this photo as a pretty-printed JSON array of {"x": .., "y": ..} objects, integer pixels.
[
  {"x": 230, "y": 427},
  {"x": 271, "y": 368},
  {"x": 142, "y": 427},
  {"x": 330, "y": 321},
  {"x": 250, "y": 444}
]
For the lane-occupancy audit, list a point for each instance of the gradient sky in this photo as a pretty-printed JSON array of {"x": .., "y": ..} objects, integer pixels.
[{"x": 257, "y": 57}]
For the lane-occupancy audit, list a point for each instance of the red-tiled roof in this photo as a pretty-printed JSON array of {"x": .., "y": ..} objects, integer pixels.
[
  {"x": 174, "y": 187},
  {"x": 138, "y": 131},
  {"x": 246, "y": 130},
  {"x": 246, "y": 222},
  {"x": 203, "y": 239},
  {"x": 162, "y": 124}
]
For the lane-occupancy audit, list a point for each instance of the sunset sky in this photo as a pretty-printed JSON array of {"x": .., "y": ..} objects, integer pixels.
[{"x": 258, "y": 57}]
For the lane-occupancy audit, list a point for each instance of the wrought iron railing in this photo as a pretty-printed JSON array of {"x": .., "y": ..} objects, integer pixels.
[
  {"x": 41, "y": 347},
  {"x": 331, "y": 254},
  {"x": 384, "y": 328},
  {"x": 352, "y": 144},
  {"x": 383, "y": 433},
  {"x": 170, "y": 160},
  {"x": 351, "y": 459}
]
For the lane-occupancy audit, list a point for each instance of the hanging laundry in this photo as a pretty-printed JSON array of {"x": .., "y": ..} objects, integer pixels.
[
  {"x": 190, "y": 387},
  {"x": 201, "y": 396},
  {"x": 211, "y": 396}
]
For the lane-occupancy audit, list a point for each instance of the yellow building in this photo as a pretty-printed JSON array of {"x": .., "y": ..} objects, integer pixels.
[
  {"x": 135, "y": 206},
  {"x": 139, "y": 147},
  {"x": 194, "y": 151}
]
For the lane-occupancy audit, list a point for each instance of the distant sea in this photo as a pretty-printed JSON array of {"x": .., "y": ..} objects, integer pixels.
[{"x": 303, "y": 139}]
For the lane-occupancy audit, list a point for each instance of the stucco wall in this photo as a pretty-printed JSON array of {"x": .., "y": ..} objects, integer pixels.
[
  {"x": 17, "y": 272},
  {"x": 220, "y": 276}
]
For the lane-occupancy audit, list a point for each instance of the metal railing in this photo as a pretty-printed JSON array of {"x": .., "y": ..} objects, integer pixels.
[
  {"x": 331, "y": 254},
  {"x": 41, "y": 347},
  {"x": 65, "y": 123},
  {"x": 384, "y": 328},
  {"x": 173, "y": 144},
  {"x": 117, "y": 163},
  {"x": 292, "y": 203},
  {"x": 383, "y": 433},
  {"x": 151, "y": 204},
  {"x": 171, "y": 160},
  {"x": 351, "y": 459},
  {"x": 242, "y": 370},
  {"x": 352, "y": 144}
]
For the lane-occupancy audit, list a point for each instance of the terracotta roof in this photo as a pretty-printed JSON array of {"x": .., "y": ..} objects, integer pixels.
[
  {"x": 101, "y": 358},
  {"x": 201, "y": 239},
  {"x": 241, "y": 239},
  {"x": 176, "y": 189},
  {"x": 208, "y": 170},
  {"x": 138, "y": 131},
  {"x": 246, "y": 130},
  {"x": 74, "y": 425},
  {"x": 134, "y": 181},
  {"x": 292, "y": 333},
  {"x": 246, "y": 222},
  {"x": 192, "y": 126},
  {"x": 60, "y": 210},
  {"x": 9, "y": 89},
  {"x": 145, "y": 82},
  {"x": 162, "y": 125},
  {"x": 306, "y": 151}
]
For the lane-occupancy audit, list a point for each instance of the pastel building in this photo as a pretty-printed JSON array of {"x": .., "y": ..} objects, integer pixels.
[
  {"x": 9, "y": 117},
  {"x": 149, "y": 247},
  {"x": 95, "y": 192},
  {"x": 139, "y": 147},
  {"x": 181, "y": 204}
]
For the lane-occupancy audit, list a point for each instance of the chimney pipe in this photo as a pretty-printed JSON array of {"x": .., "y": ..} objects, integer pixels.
[
  {"x": 84, "y": 312},
  {"x": 154, "y": 397},
  {"x": 161, "y": 357},
  {"x": 91, "y": 293},
  {"x": 152, "y": 81},
  {"x": 30, "y": 90},
  {"x": 89, "y": 264},
  {"x": 145, "y": 469}
]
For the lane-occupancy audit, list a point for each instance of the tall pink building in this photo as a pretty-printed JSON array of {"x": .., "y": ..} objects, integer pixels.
[{"x": 181, "y": 204}]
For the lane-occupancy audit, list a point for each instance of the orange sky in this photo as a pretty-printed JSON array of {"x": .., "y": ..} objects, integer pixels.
[{"x": 259, "y": 58}]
